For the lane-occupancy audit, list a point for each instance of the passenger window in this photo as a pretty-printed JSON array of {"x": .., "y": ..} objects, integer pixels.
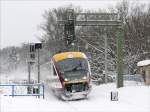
[{"x": 54, "y": 71}]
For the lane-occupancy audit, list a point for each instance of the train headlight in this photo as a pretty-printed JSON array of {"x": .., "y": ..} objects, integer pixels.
[
  {"x": 66, "y": 80},
  {"x": 84, "y": 77}
]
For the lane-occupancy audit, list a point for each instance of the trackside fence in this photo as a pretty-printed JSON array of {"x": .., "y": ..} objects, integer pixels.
[{"x": 23, "y": 89}]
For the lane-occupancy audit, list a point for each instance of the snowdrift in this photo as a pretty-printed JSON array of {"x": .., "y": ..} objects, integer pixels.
[{"x": 131, "y": 99}]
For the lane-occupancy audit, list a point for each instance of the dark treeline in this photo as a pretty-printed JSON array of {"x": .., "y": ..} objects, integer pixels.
[{"x": 136, "y": 27}]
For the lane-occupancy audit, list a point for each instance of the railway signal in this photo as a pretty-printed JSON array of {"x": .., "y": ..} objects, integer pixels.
[{"x": 33, "y": 48}]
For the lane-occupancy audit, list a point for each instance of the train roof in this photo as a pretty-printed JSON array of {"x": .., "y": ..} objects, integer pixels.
[{"x": 65, "y": 55}]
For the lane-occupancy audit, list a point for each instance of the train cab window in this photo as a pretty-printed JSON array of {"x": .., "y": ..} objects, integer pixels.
[{"x": 54, "y": 71}]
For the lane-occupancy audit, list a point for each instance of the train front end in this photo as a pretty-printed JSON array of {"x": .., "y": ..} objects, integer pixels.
[{"x": 74, "y": 73}]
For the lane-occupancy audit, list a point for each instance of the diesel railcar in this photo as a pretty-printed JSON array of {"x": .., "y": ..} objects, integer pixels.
[{"x": 70, "y": 77}]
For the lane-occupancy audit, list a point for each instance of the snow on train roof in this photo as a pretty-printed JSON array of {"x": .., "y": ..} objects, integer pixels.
[
  {"x": 64, "y": 55},
  {"x": 143, "y": 63}
]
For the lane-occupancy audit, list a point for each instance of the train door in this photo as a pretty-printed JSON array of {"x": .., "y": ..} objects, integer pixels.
[{"x": 56, "y": 84}]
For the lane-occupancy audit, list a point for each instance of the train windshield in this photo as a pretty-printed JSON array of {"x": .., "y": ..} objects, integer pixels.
[{"x": 73, "y": 67}]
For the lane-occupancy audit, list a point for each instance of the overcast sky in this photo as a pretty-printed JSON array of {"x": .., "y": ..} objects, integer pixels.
[{"x": 19, "y": 19}]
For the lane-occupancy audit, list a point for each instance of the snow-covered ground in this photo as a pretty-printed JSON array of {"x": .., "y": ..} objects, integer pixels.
[{"x": 131, "y": 99}]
